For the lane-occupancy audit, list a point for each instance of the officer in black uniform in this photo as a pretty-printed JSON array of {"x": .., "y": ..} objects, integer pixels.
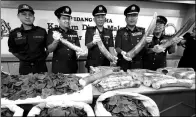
[
  {"x": 156, "y": 58},
  {"x": 64, "y": 59},
  {"x": 95, "y": 57},
  {"x": 127, "y": 38},
  {"x": 189, "y": 44},
  {"x": 28, "y": 43}
]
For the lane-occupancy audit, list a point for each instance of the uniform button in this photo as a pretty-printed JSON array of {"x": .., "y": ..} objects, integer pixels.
[
  {"x": 32, "y": 64},
  {"x": 56, "y": 60},
  {"x": 137, "y": 40},
  {"x": 153, "y": 63},
  {"x": 68, "y": 49}
]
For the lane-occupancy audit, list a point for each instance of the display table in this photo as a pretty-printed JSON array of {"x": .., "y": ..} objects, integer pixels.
[{"x": 171, "y": 101}]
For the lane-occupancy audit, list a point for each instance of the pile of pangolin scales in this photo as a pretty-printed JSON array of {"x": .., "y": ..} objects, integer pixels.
[
  {"x": 62, "y": 111},
  {"x": 125, "y": 106},
  {"x": 15, "y": 87}
]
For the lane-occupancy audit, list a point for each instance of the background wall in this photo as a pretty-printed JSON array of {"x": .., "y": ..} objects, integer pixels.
[{"x": 177, "y": 10}]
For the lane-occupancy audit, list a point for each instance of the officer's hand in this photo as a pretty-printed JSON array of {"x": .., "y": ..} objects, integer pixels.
[
  {"x": 96, "y": 38},
  {"x": 176, "y": 40},
  {"x": 163, "y": 41},
  {"x": 123, "y": 53},
  {"x": 56, "y": 35},
  {"x": 127, "y": 58},
  {"x": 113, "y": 64},
  {"x": 148, "y": 39},
  {"x": 158, "y": 49},
  {"x": 56, "y": 41},
  {"x": 114, "y": 60},
  {"x": 83, "y": 53}
]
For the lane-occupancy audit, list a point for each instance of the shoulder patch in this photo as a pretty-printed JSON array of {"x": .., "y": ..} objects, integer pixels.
[
  {"x": 71, "y": 30},
  {"x": 122, "y": 29},
  {"x": 108, "y": 30},
  {"x": 90, "y": 28},
  {"x": 40, "y": 28},
  {"x": 141, "y": 28}
]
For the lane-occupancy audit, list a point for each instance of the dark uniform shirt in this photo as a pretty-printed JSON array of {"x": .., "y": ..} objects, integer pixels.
[
  {"x": 188, "y": 58},
  {"x": 126, "y": 40},
  {"x": 95, "y": 56},
  {"x": 152, "y": 60},
  {"x": 30, "y": 47},
  {"x": 64, "y": 59},
  {"x": 30, "y": 44}
]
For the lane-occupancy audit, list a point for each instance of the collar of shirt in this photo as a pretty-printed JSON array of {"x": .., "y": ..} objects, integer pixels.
[
  {"x": 62, "y": 30},
  {"x": 160, "y": 38},
  {"x": 134, "y": 30},
  {"x": 101, "y": 32},
  {"x": 22, "y": 28}
]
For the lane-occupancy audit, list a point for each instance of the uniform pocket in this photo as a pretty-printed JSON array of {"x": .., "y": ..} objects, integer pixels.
[
  {"x": 21, "y": 41},
  {"x": 39, "y": 39}
]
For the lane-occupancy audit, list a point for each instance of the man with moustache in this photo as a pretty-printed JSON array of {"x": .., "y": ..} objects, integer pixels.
[
  {"x": 156, "y": 58},
  {"x": 64, "y": 59},
  {"x": 95, "y": 57},
  {"x": 28, "y": 43},
  {"x": 127, "y": 38}
]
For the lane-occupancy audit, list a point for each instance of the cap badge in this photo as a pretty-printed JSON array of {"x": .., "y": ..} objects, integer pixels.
[
  {"x": 133, "y": 8},
  {"x": 19, "y": 34},
  {"x": 25, "y": 6},
  {"x": 67, "y": 9},
  {"x": 100, "y": 8},
  {"x": 158, "y": 18}
]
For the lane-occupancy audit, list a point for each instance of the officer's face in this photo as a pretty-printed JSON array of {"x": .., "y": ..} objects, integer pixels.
[
  {"x": 99, "y": 20},
  {"x": 131, "y": 19},
  {"x": 26, "y": 17},
  {"x": 159, "y": 27},
  {"x": 64, "y": 21}
]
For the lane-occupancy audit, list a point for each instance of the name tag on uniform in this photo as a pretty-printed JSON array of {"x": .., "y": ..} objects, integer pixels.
[
  {"x": 38, "y": 37},
  {"x": 72, "y": 36},
  {"x": 137, "y": 33},
  {"x": 106, "y": 36},
  {"x": 20, "y": 38}
]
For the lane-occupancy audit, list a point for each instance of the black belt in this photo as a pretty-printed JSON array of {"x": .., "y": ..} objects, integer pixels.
[{"x": 32, "y": 62}]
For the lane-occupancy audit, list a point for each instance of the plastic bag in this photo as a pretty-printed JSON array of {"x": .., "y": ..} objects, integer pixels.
[
  {"x": 147, "y": 102},
  {"x": 80, "y": 105},
  {"x": 14, "y": 108}
]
